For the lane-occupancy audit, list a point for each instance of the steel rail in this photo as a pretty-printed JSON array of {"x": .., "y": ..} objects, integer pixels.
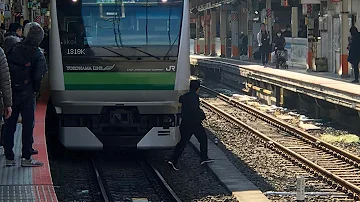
[
  {"x": 288, "y": 128},
  {"x": 349, "y": 186},
  {"x": 100, "y": 183},
  {"x": 163, "y": 181}
]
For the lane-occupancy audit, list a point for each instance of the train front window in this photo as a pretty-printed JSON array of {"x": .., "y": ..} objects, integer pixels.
[{"x": 98, "y": 23}]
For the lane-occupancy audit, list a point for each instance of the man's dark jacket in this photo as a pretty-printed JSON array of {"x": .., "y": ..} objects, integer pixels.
[
  {"x": 354, "y": 50},
  {"x": 191, "y": 112}
]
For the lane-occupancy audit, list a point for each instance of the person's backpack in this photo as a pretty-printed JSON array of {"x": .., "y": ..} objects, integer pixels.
[{"x": 20, "y": 73}]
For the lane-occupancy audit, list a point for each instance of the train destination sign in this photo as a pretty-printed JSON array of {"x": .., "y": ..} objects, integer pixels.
[
  {"x": 118, "y": 68},
  {"x": 118, "y": 1},
  {"x": 107, "y": 1}
]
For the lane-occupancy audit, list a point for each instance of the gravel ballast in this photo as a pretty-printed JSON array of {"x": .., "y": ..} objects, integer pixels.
[
  {"x": 74, "y": 180},
  {"x": 192, "y": 182},
  {"x": 262, "y": 166},
  {"x": 72, "y": 175},
  {"x": 326, "y": 128}
]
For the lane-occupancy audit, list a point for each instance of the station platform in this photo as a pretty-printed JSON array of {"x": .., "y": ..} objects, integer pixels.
[
  {"x": 28, "y": 184},
  {"x": 242, "y": 189},
  {"x": 320, "y": 85}
]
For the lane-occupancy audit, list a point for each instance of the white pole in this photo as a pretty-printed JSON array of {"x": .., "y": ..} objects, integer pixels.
[{"x": 300, "y": 189}]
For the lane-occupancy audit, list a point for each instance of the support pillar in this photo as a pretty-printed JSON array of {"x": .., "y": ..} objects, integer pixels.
[
  {"x": 26, "y": 13},
  {"x": 234, "y": 34},
  {"x": 294, "y": 22},
  {"x": 242, "y": 17},
  {"x": 269, "y": 19},
  {"x": 269, "y": 23},
  {"x": 250, "y": 28},
  {"x": 212, "y": 31},
  {"x": 311, "y": 39},
  {"x": 198, "y": 26},
  {"x": 344, "y": 38},
  {"x": 207, "y": 32},
  {"x": 223, "y": 30}
]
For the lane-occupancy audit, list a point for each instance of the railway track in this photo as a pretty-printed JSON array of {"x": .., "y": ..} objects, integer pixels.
[
  {"x": 338, "y": 168},
  {"x": 132, "y": 181}
]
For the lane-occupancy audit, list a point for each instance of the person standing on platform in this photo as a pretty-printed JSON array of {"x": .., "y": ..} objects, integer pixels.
[
  {"x": 6, "y": 92},
  {"x": 27, "y": 27},
  {"x": 2, "y": 34},
  {"x": 12, "y": 37},
  {"x": 191, "y": 118},
  {"x": 263, "y": 38},
  {"x": 287, "y": 32},
  {"x": 354, "y": 52},
  {"x": 279, "y": 44},
  {"x": 27, "y": 66}
]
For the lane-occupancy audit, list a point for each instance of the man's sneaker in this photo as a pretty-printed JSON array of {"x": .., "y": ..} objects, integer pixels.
[
  {"x": 355, "y": 81},
  {"x": 34, "y": 151},
  {"x": 9, "y": 163},
  {"x": 206, "y": 161},
  {"x": 173, "y": 165},
  {"x": 30, "y": 163}
]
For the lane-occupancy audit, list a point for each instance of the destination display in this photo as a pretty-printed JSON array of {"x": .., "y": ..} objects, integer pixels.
[
  {"x": 119, "y": 68},
  {"x": 116, "y": 1}
]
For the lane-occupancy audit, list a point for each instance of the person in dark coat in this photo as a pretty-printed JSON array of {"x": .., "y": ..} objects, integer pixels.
[
  {"x": 263, "y": 38},
  {"x": 6, "y": 92},
  {"x": 287, "y": 32},
  {"x": 2, "y": 34},
  {"x": 243, "y": 44},
  {"x": 192, "y": 117},
  {"x": 12, "y": 37},
  {"x": 279, "y": 44},
  {"x": 27, "y": 56},
  {"x": 354, "y": 52},
  {"x": 45, "y": 42}
]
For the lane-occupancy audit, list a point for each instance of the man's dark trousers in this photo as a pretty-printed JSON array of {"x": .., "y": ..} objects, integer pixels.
[
  {"x": 355, "y": 66},
  {"x": 23, "y": 102},
  {"x": 187, "y": 130},
  {"x": 2, "y": 131},
  {"x": 264, "y": 54}
]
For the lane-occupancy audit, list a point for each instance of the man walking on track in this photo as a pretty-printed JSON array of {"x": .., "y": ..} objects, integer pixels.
[{"x": 191, "y": 116}]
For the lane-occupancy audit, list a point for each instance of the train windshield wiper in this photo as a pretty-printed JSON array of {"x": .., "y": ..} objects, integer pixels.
[
  {"x": 171, "y": 46},
  {"x": 149, "y": 54},
  {"x": 116, "y": 53}
]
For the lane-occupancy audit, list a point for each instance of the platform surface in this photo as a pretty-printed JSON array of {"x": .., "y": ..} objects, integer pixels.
[
  {"x": 28, "y": 184},
  {"x": 242, "y": 189},
  {"x": 323, "y": 85}
]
